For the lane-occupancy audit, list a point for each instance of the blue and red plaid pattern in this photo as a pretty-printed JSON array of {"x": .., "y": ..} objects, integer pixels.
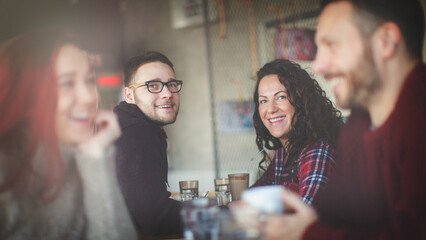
[{"x": 314, "y": 165}]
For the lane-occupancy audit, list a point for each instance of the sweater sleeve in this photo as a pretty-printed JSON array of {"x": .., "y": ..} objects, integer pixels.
[
  {"x": 402, "y": 227},
  {"x": 142, "y": 181},
  {"x": 106, "y": 212},
  {"x": 342, "y": 213},
  {"x": 316, "y": 164},
  {"x": 320, "y": 231}
]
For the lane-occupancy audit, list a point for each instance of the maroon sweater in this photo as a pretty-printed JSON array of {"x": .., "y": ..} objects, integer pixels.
[{"x": 378, "y": 189}]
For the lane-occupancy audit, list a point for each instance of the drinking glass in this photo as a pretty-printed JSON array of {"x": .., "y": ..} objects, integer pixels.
[
  {"x": 223, "y": 193},
  {"x": 238, "y": 183},
  {"x": 200, "y": 219},
  {"x": 188, "y": 190}
]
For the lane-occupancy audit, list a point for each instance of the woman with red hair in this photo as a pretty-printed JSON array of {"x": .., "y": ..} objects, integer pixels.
[{"x": 57, "y": 177}]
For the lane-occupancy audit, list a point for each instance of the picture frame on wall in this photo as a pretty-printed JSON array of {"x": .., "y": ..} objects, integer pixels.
[
  {"x": 293, "y": 38},
  {"x": 189, "y": 13},
  {"x": 236, "y": 117},
  {"x": 300, "y": 44}
]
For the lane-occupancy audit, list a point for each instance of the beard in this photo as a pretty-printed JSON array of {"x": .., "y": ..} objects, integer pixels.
[
  {"x": 160, "y": 119},
  {"x": 364, "y": 81},
  {"x": 163, "y": 123}
]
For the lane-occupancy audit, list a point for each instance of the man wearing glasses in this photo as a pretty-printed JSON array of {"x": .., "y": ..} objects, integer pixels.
[{"x": 151, "y": 97}]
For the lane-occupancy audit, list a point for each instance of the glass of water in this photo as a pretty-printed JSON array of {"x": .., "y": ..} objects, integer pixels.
[
  {"x": 188, "y": 190},
  {"x": 200, "y": 219},
  {"x": 223, "y": 193}
]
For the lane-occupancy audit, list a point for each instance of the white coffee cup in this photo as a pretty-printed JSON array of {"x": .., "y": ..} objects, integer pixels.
[{"x": 266, "y": 198}]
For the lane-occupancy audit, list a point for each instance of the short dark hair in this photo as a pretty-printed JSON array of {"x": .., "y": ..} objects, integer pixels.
[
  {"x": 134, "y": 63},
  {"x": 407, "y": 14}
]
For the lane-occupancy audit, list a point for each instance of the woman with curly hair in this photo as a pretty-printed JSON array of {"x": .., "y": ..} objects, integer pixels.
[{"x": 294, "y": 117}]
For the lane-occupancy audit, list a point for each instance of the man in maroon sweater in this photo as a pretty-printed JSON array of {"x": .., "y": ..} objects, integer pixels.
[{"x": 378, "y": 189}]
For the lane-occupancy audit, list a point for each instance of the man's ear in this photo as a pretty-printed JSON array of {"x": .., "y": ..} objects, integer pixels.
[
  {"x": 129, "y": 95},
  {"x": 389, "y": 39}
]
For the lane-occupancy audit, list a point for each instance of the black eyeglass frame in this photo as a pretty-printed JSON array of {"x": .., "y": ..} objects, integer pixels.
[{"x": 146, "y": 83}]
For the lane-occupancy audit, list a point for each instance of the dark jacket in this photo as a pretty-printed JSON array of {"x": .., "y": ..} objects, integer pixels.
[{"x": 142, "y": 173}]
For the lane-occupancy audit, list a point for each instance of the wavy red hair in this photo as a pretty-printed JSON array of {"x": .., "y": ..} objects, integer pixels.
[{"x": 28, "y": 98}]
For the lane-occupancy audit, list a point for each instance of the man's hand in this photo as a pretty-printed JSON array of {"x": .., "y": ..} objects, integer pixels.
[
  {"x": 290, "y": 226},
  {"x": 107, "y": 130}
]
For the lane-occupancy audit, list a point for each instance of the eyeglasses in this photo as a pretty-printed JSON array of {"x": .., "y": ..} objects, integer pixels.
[{"x": 156, "y": 86}]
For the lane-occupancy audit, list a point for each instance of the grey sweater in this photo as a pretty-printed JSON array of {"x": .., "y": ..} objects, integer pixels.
[{"x": 90, "y": 205}]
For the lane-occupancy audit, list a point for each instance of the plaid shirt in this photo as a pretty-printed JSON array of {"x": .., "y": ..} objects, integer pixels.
[{"x": 315, "y": 164}]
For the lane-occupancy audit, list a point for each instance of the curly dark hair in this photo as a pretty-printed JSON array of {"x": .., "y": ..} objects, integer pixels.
[{"x": 316, "y": 116}]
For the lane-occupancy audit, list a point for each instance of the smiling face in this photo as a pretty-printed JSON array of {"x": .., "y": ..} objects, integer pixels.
[
  {"x": 275, "y": 109},
  {"x": 162, "y": 107},
  {"x": 345, "y": 57},
  {"x": 77, "y": 96}
]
